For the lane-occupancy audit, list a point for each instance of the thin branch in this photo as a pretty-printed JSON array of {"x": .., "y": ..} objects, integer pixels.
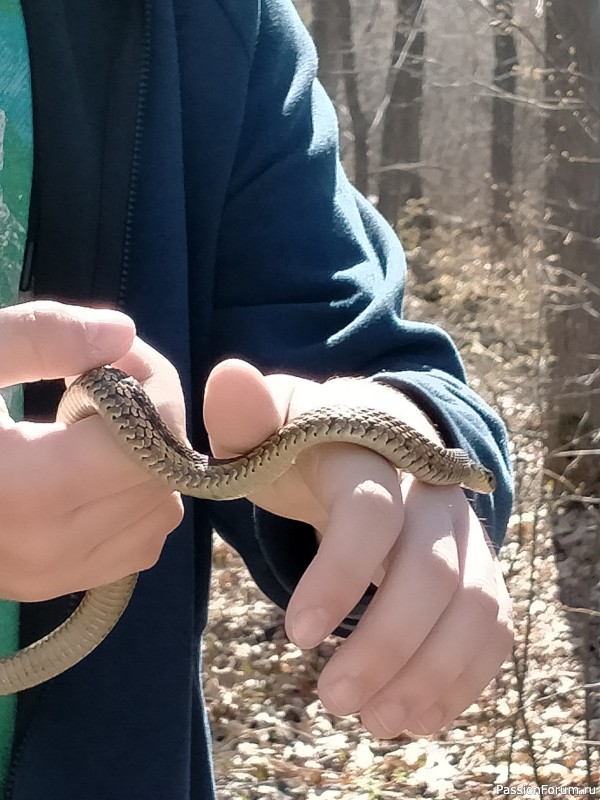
[{"x": 397, "y": 66}]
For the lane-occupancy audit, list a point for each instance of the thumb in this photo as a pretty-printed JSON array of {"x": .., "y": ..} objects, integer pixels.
[
  {"x": 45, "y": 340},
  {"x": 242, "y": 408}
]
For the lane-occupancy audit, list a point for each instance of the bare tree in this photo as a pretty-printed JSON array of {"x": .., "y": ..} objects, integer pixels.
[
  {"x": 573, "y": 222},
  {"x": 401, "y": 137},
  {"x": 360, "y": 126},
  {"x": 503, "y": 115},
  {"x": 324, "y": 29}
]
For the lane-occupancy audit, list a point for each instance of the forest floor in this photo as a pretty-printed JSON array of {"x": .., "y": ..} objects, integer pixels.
[{"x": 536, "y": 725}]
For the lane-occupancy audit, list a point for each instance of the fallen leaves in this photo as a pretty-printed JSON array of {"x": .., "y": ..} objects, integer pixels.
[{"x": 272, "y": 737}]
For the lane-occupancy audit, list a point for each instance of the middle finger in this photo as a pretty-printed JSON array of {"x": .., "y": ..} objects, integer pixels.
[{"x": 420, "y": 581}]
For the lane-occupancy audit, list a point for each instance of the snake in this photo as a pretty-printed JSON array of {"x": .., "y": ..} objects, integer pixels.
[{"x": 133, "y": 419}]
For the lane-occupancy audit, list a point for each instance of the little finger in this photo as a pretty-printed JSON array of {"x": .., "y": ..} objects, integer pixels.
[
  {"x": 135, "y": 548},
  {"x": 73, "y": 560},
  {"x": 457, "y": 639},
  {"x": 468, "y": 686}
]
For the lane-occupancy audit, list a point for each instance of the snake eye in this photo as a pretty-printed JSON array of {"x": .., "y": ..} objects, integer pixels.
[{"x": 491, "y": 479}]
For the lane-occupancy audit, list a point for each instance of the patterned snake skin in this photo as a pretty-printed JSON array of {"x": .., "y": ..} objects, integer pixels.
[{"x": 133, "y": 419}]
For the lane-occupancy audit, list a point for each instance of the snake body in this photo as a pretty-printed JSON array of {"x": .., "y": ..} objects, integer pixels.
[{"x": 133, "y": 419}]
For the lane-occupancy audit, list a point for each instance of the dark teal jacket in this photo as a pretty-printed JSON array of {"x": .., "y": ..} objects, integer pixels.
[{"x": 201, "y": 190}]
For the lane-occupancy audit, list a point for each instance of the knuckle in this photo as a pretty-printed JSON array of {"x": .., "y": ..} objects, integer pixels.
[
  {"x": 483, "y": 598},
  {"x": 434, "y": 673},
  {"x": 376, "y": 501},
  {"x": 343, "y": 575},
  {"x": 165, "y": 520},
  {"x": 506, "y": 632},
  {"x": 395, "y": 651},
  {"x": 171, "y": 372},
  {"x": 445, "y": 570},
  {"x": 508, "y": 622},
  {"x": 175, "y": 511},
  {"x": 150, "y": 553}
]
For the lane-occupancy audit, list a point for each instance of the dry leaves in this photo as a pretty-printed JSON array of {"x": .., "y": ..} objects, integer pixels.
[{"x": 272, "y": 738}]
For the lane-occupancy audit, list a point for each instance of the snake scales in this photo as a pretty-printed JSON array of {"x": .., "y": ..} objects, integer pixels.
[{"x": 134, "y": 420}]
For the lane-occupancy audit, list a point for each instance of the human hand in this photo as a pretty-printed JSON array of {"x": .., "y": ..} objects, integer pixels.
[
  {"x": 75, "y": 512},
  {"x": 439, "y": 625}
]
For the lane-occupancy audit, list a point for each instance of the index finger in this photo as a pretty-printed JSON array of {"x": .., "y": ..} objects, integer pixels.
[
  {"x": 366, "y": 514},
  {"x": 61, "y": 467}
]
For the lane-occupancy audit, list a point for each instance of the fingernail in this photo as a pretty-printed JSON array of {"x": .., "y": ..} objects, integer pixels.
[
  {"x": 432, "y": 720},
  {"x": 344, "y": 696},
  {"x": 391, "y": 717},
  {"x": 310, "y": 627}
]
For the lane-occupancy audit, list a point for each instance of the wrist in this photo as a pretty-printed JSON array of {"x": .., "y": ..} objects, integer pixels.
[{"x": 371, "y": 393}]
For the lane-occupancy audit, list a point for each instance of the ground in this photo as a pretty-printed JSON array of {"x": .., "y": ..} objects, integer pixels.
[{"x": 535, "y": 725}]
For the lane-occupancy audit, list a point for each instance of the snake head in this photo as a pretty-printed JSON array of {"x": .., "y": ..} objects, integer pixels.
[{"x": 486, "y": 480}]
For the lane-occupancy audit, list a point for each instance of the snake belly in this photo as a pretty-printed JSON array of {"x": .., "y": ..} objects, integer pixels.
[{"x": 133, "y": 419}]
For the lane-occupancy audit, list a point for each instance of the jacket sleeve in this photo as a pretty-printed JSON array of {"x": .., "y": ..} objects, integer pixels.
[{"x": 310, "y": 281}]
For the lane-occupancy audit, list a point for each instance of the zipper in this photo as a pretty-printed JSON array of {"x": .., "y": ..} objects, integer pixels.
[
  {"x": 26, "y": 282},
  {"x": 137, "y": 149},
  {"x": 27, "y": 279}
]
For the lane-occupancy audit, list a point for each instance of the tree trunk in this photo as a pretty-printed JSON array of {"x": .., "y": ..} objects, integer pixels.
[
  {"x": 401, "y": 136},
  {"x": 573, "y": 219},
  {"x": 503, "y": 117},
  {"x": 324, "y": 31},
  {"x": 360, "y": 127}
]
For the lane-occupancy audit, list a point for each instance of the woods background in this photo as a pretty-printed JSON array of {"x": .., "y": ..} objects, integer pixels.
[
  {"x": 474, "y": 126},
  {"x": 488, "y": 110}
]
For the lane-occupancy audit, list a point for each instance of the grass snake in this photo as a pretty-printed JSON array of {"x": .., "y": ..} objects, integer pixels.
[{"x": 133, "y": 419}]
